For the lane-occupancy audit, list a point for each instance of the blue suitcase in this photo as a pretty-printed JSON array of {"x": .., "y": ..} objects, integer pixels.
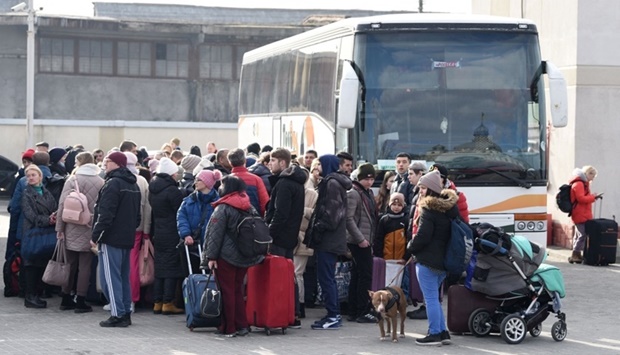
[{"x": 194, "y": 286}]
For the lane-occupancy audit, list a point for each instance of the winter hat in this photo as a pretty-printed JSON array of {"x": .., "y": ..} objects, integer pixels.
[
  {"x": 56, "y": 154},
  {"x": 397, "y": 197},
  {"x": 167, "y": 166},
  {"x": 432, "y": 181},
  {"x": 132, "y": 160},
  {"x": 209, "y": 177},
  {"x": 329, "y": 164},
  {"x": 365, "y": 171},
  {"x": 153, "y": 164},
  {"x": 118, "y": 158},
  {"x": 28, "y": 154},
  {"x": 190, "y": 162},
  {"x": 204, "y": 163}
]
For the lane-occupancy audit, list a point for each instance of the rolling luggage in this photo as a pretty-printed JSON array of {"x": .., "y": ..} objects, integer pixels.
[
  {"x": 601, "y": 242},
  {"x": 462, "y": 302},
  {"x": 194, "y": 286},
  {"x": 415, "y": 293},
  {"x": 270, "y": 301},
  {"x": 378, "y": 274}
]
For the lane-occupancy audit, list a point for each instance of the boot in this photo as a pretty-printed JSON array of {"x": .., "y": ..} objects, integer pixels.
[
  {"x": 33, "y": 301},
  {"x": 67, "y": 303},
  {"x": 170, "y": 308},
  {"x": 575, "y": 257},
  {"x": 157, "y": 306},
  {"x": 302, "y": 310},
  {"x": 81, "y": 306}
]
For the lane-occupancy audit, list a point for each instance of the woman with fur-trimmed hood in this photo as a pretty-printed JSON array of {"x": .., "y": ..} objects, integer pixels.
[{"x": 436, "y": 207}]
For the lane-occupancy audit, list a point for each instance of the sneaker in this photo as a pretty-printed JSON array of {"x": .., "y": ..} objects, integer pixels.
[
  {"x": 106, "y": 307},
  {"x": 430, "y": 340},
  {"x": 223, "y": 335},
  {"x": 243, "y": 332},
  {"x": 328, "y": 323},
  {"x": 115, "y": 322},
  {"x": 296, "y": 324},
  {"x": 127, "y": 317},
  {"x": 367, "y": 318},
  {"x": 445, "y": 338},
  {"x": 419, "y": 313}
]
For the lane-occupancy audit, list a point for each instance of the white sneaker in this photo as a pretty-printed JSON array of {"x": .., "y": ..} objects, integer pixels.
[
  {"x": 133, "y": 307},
  {"x": 106, "y": 307}
]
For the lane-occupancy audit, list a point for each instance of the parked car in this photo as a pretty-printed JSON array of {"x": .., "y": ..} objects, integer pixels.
[{"x": 8, "y": 169}]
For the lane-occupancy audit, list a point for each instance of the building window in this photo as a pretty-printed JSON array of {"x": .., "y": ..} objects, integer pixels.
[
  {"x": 240, "y": 51},
  {"x": 216, "y": 62},
  {"x": 134, "y": 59},
  {"x": 171, "y": 60},
  {"x": 95, "y": 57},
  {"x": 56, "y": 55}
]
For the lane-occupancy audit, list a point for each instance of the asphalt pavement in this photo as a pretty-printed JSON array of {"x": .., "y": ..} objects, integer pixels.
[{"x": 591, "y": 304}]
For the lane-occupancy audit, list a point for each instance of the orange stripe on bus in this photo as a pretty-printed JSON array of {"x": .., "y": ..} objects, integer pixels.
[{"x": 514, "y": 203}]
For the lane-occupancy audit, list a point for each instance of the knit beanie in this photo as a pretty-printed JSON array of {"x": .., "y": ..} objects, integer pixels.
[
  {"x": 204, "y": 163},
  {"x": 365, "y": 171},
  {"x": 56, "y": 154},
  {"x": 209, "y": 177},
  {"x": 397, "y": 197},
  {"x": 27, "y": 155},
  {"x": 132, "y": 160},
  {"x": 118, "y": 158},
  {"x": 190, "y": 162},
  {"x": 432, "y": 181},
  {"x": 167, "y": 166}
]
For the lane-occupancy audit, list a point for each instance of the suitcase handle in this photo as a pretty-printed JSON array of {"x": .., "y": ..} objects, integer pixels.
[{"x": 189, "y": 262}]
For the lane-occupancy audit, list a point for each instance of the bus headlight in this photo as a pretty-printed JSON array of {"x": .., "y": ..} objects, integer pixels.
[
  {"x": 540, "y": 226},
  {"x": 530, "y": 226},
  {"x": 520, "y": 226}
]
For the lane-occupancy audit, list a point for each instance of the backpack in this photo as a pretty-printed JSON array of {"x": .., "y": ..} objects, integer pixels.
[
  {"x": 253, "y": 237},
  {"x": 54, "y": 184},
  {"x": 562, "y": 199},
  {"x": 75, "y": 208},
  {"x": 10, "y": 273},
  {"x": 459, "y": 248}
]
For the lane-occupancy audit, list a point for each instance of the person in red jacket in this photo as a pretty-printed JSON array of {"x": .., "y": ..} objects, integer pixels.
[
  {"x": 582, "y": 200},
  {"x": 448, "y": 184}
]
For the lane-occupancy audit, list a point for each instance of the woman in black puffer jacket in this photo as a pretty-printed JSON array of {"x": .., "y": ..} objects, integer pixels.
[
  {"x": 437, "y": 208},
  {"x": 165, "y": 199}
]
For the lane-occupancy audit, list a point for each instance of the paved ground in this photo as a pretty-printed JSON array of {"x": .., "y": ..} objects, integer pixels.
[{"x": 591, "y": 305}]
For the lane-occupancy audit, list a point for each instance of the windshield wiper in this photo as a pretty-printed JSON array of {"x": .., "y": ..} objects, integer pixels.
[{"x": 523, "y": 184}]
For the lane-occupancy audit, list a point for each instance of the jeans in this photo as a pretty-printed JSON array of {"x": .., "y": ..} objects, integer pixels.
[
  {"x": 326, "y": 269},
  {"x": 430, "y": 282}
]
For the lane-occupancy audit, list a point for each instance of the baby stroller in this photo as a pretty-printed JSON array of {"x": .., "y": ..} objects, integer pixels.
[{"x": 510, "y": 269}]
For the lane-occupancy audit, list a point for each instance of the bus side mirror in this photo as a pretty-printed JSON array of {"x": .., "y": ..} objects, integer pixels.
[
  {"x": 349, "y": 96},
  {"x": 558, "y": 97}
]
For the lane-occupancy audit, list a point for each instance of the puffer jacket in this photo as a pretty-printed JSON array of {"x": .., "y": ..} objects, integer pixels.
[
  {"x": 166, "y": 198},
  {"x": 259, "y": 197},
  {"x": 286, "y": 207},
  {"x": 331, "y": 214},
  {"x": 77, "y": 237},
  {"x": 581, "y": 197},
  {"x": 310, "y": 198},
  {"x": 434, "y": 229},
  {"x": 462, "y": 202},
  {"x": 262, "y": 171},
  {"x": 390, "y": 240},
  {"x": 361, "y": 215},
  {"x": 222, "y": 231},
  {"x": 191, "y": 211}
]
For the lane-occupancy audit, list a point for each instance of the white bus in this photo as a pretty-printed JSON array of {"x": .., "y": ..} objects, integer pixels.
[{"x": 461, "y": 90}]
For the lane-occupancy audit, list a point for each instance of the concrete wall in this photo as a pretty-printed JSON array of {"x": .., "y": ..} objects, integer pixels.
[
  {"x": 580, "y": 38},
  {"x": 12, "y": 71}
]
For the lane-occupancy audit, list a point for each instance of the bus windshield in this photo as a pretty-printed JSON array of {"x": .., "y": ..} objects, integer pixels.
[{"x": 466, "y": 99}]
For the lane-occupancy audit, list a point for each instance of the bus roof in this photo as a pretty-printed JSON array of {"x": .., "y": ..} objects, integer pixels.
[{"x": 351, "y": 25}]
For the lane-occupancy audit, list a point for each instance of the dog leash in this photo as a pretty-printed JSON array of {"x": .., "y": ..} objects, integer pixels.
[{"x": 401, "y": 271}]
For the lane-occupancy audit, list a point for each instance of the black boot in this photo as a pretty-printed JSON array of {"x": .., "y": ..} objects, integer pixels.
[
  {"x": 33, "y": 301},
  {"x": 81, "y": 306},
  {"x": 67, "y": 303}
]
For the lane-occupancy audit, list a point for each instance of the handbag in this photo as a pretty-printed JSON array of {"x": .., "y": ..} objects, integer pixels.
[
  {"x": 211, "y": 301},
  {"x": 38, "y": 243},
  {"x": 58, "y": 270},
  {"x": 147, "y": 263}
]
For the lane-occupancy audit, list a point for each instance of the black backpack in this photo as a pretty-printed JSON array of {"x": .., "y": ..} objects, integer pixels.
[
  {"x": 562, "y": 199},
  {"x": 253, "y": 237},
  {"x": 55, "y": 184}
]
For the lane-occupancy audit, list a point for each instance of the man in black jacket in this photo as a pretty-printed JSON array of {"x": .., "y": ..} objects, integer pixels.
[
  {"x": 116, "y": 217},
  {"x": 286, "y": 208}
]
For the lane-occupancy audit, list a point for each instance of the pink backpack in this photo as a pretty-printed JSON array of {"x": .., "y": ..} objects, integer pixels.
[{"x": 75, "y": 208}]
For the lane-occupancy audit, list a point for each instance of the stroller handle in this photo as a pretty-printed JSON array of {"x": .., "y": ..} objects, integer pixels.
[{"x": 497, "y": 248}]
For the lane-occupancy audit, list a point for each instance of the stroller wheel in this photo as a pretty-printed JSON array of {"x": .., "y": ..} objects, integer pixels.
[
  {"x": 536, "y": 330},
  {"x": 480, "y": 322},
  {"x": 513, "y": 329},
  {"x": 559, "y": 331}
]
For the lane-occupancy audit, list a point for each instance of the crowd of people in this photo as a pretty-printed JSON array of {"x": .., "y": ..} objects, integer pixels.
[{"x": 319, "y": 209}]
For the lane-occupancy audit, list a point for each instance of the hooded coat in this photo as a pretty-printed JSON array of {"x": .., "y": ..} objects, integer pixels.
[
  {"x": 191, "y": 212},
  {"x": 434, "y": 229},
  {"x": 286, "y": 207},
  {"x": 581, "y": 197}
]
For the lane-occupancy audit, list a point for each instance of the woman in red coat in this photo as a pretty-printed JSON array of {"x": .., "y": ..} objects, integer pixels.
[{"x": 582, "y": 200}]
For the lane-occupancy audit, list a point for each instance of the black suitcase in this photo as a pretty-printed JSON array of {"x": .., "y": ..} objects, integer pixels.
[{"x": 601, "y": 242}]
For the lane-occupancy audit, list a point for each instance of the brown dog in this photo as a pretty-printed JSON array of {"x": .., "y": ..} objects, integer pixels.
[{"x": 389, "y": 303}]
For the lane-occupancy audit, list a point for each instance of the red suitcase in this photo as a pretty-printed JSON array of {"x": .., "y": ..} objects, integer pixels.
[
  {"x": 270, "y": 299},
  {"x": 462, "y": 302}
]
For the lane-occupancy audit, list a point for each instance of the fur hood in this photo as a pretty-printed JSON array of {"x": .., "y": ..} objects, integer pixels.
[{"x": 444, "y": 203}]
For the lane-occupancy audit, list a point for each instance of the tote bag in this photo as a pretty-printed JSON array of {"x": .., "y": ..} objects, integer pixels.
[
  {"x": 38, "y": 243},
  {"x": 58, "y": 270}
]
